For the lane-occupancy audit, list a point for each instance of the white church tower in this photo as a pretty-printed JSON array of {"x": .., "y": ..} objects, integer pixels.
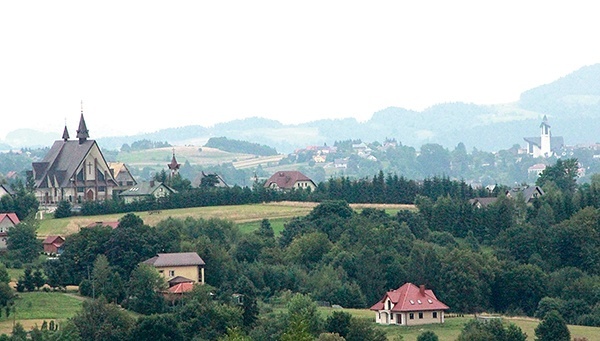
[
  {"x": 545, "y": 148},
  {"x": 545, "y": 145}
]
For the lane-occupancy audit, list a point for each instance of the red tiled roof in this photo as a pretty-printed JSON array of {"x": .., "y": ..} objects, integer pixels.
[
  {"x": 54, "y": 240},
  {"x": 409, "y": 297},
  {"x": 286, "y": 179},
  {"x": 12, "y": 216},
  {"x": 181, "y": 288}
]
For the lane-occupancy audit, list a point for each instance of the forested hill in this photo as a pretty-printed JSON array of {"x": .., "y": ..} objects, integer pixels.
[
  {"x": 236, "y": 146},
  {"x": 571, "y": 104}
]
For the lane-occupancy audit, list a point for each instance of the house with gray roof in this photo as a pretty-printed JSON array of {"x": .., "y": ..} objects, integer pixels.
[
  {"x": 179, "y": 267},
  {"x": 146, "y": 190},
  {"x": 73, "y": 170}
]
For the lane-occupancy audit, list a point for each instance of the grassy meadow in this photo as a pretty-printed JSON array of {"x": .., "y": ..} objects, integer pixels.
[
  {"x": 452, "y": 327},
  {"x": 248, "y": 217},
  {"x": 33, "y": 308}
]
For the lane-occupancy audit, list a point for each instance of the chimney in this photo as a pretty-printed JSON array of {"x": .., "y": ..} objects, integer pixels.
[
  {"x": 151, "y": 183},
  {"x": 422, "y": 290}
]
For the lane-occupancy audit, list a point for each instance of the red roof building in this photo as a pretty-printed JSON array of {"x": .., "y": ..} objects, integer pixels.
[
  {"x": 409, "y": 305},
  {"x": 7, "y": 221},
  {"x": 53, "y": 245},
  {"x": 287, "y": 180}
]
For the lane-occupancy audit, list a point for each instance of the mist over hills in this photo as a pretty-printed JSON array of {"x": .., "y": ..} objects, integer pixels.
[{"x": 572, "y": 104}]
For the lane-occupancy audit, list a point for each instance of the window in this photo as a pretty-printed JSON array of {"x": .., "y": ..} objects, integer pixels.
[
  {"x": 171, "y": 273},
  {"x": 420, "y": 315},
  {"x": 411, "y": 316},
  {"x": 80, "y": 189},
  {"x": 100, "y": 176},
  {"x": 80, "y": 175},
  {"x": 434, "y": 314},
  {"x": 101, "y": 188}
]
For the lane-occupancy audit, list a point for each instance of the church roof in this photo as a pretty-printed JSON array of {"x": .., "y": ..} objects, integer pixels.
[
  {"x": 61, "y": 162},
  {"x": 174, "y": 165},
  {"x": 58, "y": 167},
  {"x": 557, "y": 142}
]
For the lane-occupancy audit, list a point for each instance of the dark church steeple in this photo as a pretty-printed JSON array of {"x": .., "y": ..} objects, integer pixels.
[
  {"x": 83, "y": 132},
  {"x": 174, "y": 166},
  {"x": 65, "y": 135}
]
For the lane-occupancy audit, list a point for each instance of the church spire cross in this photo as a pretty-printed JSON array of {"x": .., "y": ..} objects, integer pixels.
[
  {"x": 65, "y": 135},
  {"x": 173, "y": 166},
  {"x": 83, "y": 132}
]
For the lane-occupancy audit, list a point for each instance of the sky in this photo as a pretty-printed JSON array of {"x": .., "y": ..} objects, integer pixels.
[{"x": 139, "y": 66}]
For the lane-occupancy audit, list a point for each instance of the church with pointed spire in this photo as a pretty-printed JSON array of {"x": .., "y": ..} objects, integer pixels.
[
  {"x": 73, "y": 170},
  {"x": 545, "y": 145}
]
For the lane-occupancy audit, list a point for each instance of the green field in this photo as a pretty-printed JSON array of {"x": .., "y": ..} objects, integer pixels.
[
  {"x": 276, "y": 224},
  {"x": 32, "y": 308},
  {"x": 452, "y": 327},
  {"x": 238, "y": 214},
  {"x": 247, "y": 216}
]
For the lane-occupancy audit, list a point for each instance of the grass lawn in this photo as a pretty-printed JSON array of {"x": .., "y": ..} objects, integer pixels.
[
  {"x": 277, "y": 212},
  {"x": 236, "y": 213},
  {"x": 34, "y": 307},
  {"x": 276, "y": 224},
  {"x": 452, "y": 327}
]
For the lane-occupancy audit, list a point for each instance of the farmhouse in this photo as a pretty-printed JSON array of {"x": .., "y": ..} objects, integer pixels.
[
  {"x": 73, "y": 170},
  {"x": 145, "y": 190},
  {"x": 7, "y": 221},
  {"x": 179, "y": 268},
  {"x": 527, "y": 193},
  {"x": 288, "y": 180},
  {"x": 53, "y": 245},
  {"x": 409, "y": 305}
]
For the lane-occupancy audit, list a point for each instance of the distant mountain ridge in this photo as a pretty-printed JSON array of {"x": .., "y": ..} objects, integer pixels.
[{"x": 572, "y": 104}]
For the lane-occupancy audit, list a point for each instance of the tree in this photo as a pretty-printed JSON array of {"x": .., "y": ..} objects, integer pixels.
[
  {"x": 427, "y": 336},
  {"x": 338, "y": 322},
  {"x": 102, "y": 321},
  {"x": 302, "y": 310},
  {"x": 26, "y": 282},
  {"x": 63, "y": 209},
  {"x": 161, "y": 327},
  {"x": 22, "y": 242},
  {"x": 563, "y": 174},
  {"x": 552, "y": 328},
  {"x": 106, "y": 281},
  {"x": 265, "y": 230},
  {"x": 144, "y": 290}
]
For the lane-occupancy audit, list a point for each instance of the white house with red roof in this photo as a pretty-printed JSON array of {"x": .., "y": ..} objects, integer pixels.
[
  {"x": 288, "y": 180},
  {"x": 7, "y": 221},
  {"x": 409, "y": 305}
]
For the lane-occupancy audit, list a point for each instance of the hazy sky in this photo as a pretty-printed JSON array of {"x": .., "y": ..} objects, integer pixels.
[{"x": 143, "y": 65}]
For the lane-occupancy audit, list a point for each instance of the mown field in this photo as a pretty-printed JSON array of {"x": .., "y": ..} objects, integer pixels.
[
  {"x": 33, "y": 308},
  {"x": 247, "y": 216}
]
